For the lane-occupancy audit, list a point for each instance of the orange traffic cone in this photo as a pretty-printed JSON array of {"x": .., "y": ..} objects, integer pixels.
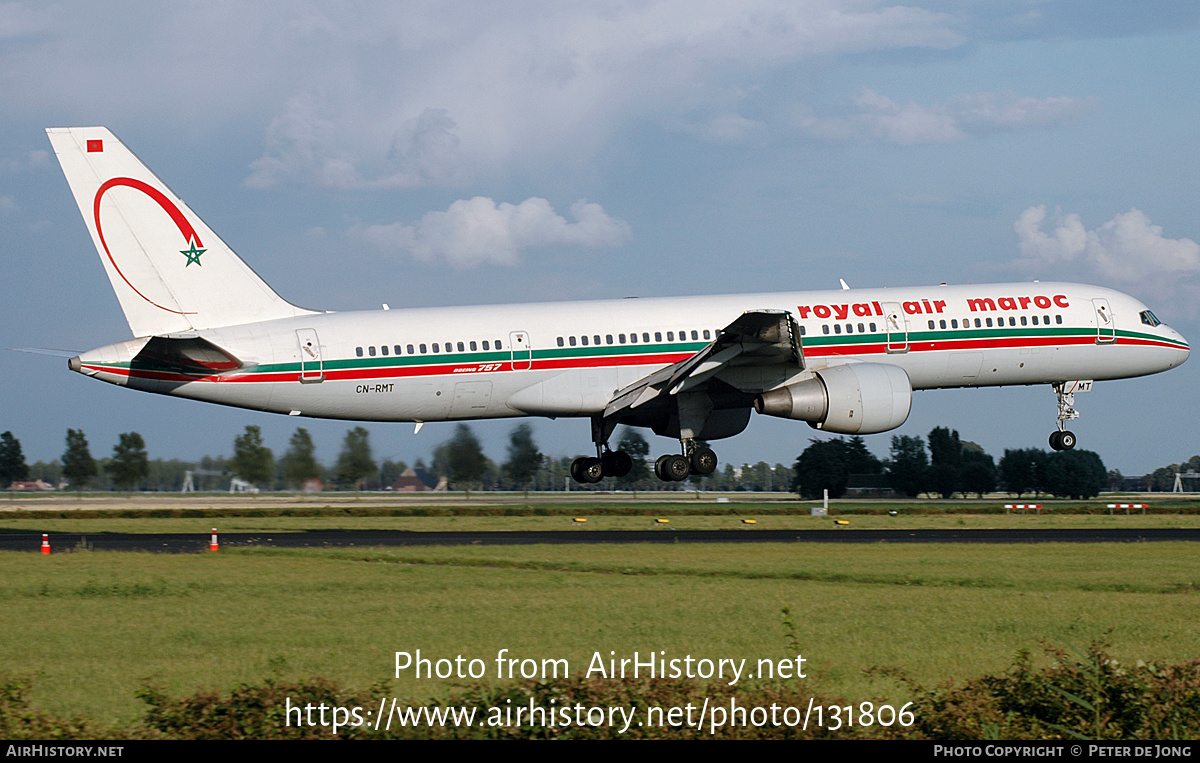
[
  {"x": 212, "y": 545},
  {"x": 45, "y": 543}
]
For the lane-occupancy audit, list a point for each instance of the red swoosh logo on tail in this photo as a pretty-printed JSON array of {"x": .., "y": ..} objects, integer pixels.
[{"x": 185, "y": 227}]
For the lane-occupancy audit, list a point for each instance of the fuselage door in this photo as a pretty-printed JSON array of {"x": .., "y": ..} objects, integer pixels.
[
  {"x": 522, "y": 355},
  {"x": 1106, "y": 324},
  {"x": 312, "y": 368},
  {"x": 896, "y": 327}
]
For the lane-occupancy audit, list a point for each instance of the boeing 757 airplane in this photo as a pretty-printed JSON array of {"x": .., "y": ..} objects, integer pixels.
[{"x": 207, "y": 327}]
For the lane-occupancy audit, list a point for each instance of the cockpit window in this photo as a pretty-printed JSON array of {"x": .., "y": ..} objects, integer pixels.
[{"x": 1150, "y": 319}]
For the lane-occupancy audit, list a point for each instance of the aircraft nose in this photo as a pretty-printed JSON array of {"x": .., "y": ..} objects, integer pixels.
[{"x": 1184, "y": 348}]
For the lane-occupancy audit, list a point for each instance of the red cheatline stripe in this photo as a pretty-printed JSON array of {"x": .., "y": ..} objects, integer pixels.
[{"x": 389, "y": 372}]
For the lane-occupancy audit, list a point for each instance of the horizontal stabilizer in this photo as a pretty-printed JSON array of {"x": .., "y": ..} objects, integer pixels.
[
  {"x": 46, "y": 351},
  {"x": 193, "y": 356}
]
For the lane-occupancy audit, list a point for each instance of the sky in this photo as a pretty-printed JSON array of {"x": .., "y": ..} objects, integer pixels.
[{"x": 428, "y": 154}]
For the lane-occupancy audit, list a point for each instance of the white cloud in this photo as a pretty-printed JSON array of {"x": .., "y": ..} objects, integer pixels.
[
  {"x": 479, "y": 231},
  {"x": 881, "y": 118},
  {"x": 303, "y": 146},
  {"x": 1128, "y": 249},
  {"x": 393, "y": 94},
  {"x": 727, "y": 128},
  {"x": 30, "y": 160}
]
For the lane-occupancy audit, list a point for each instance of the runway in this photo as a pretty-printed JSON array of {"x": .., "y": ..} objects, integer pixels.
[{"x": 190, "y": 543}]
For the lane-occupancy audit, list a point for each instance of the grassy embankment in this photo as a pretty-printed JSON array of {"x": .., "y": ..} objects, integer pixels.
[{"x": 92, "y": 628}]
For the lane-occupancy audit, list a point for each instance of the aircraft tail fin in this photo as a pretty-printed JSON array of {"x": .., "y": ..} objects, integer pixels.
[{"x": 170, "y": 271}]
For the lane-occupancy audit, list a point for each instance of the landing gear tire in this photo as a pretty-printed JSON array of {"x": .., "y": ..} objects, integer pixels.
[
  {"x": 704, "y": 461},
  {"x": 1064, "y": 440},
  {"x": 587, "y": 470},
  {"x": 672, "y": 468},
  {"x": 616, "y": 463},
  {"x": 658, "y": 469}
]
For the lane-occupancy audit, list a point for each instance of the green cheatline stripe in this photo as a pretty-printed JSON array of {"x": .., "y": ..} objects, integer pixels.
[{"x": 504, "y": 356}]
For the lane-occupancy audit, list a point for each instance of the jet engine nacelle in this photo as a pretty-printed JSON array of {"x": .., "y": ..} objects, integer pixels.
[{"x": 856, "y": 398}]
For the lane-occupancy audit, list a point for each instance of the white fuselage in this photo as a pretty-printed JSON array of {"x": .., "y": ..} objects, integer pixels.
[{"x": 568, "y": 359}]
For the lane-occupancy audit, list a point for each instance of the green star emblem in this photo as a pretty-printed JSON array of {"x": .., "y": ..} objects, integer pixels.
[{"x": 192, "y": 254}]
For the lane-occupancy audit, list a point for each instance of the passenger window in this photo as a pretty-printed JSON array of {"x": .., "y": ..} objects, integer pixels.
[
  {"x": 943, "y": 324},
  {"x": 849, "y": 328},
  {"x": 608, "y": 338},
  {"x": 954, "y": 323},
  {"x": 645, "y": 336},
  {"x": 397, "y": 349},
  {"x": 498, "y": 347},
  {"x": 371, "y": 351},
  {"x": 977, "y": 323},
  {"x": 460, "y": 347},
  {"x": 383, "y": 350},
  {"x": 561, "y": 342},
  {"x": 803, "y": 331},
  {"x": 358, "y": 351},
  {"x": 422, "y": 349},
  {"x": 1024, "y": 321},
  {"x": 436, "y": 348},
  {"x": 658, "y": 336},
  {"x": 596, "y": 339},
  {"x": 1058, "y": 319},
  {"x": 449, "y": 347},
  {"x": 825, "y": 328},
  {"x": 1046, "y": 319},
  {"x": 410, "y": 349},
  {"x": 621, "y": 338},
  {"x": 485, "y": 345},
  {"x": 706, "y": 333},
  {"x": 931, "y": 325},
  {"x": 572, "y": 341},
  {"x": 670, "y": 336},
  {"x": 583, "y": 340},
  {"x": 1012, "y": 321},
  {"x": 837, "y": 328},
  {"x": 1035, "y": 320},
  {"x": 475, "y": 347},
  {"x": 633, "y": 338},
  {"x": 860, "y": 328},
  {"x": 872, "y": 326}
]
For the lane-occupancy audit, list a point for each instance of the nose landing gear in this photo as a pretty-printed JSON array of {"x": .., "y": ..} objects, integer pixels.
[{"x": 1062, "y": 439}]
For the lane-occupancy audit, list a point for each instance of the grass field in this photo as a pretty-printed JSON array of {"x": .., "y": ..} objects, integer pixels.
[{"x": 91, "y": 628}]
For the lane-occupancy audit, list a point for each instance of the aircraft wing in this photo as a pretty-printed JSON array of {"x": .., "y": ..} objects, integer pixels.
[{"x": 757, "y": 337}]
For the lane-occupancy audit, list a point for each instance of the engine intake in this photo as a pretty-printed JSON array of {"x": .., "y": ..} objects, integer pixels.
[{"x": 856, "y": 398}]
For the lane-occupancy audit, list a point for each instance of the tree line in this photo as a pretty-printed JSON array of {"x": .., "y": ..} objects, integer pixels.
[
  {"x": 460, "y": 460},
  {"x": 951, "y": 466},
  {"x": 941, "y": 465}
]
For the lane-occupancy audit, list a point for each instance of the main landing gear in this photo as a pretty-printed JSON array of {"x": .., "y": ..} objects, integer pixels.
[
  {"x": 607, "y": 463},
  {"x": 610, "y": 463},
  {"x": 1062, "y": 439},
  {"x": 695, "y": 459}
]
